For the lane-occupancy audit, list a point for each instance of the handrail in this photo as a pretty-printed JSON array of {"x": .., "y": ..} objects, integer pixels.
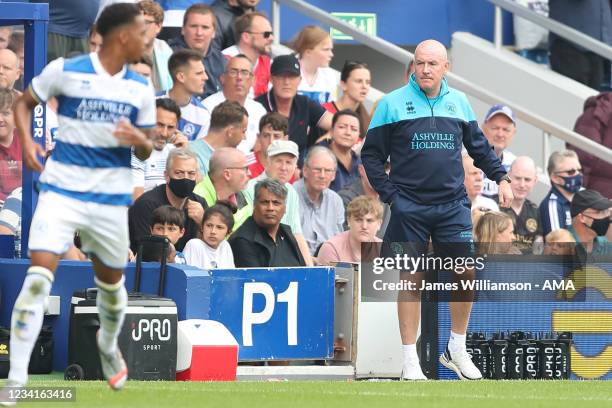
[
  {"x": 556, "y": 27},
  {"x": 404, "y": 57},
  {"x": 384, "y": 47}
]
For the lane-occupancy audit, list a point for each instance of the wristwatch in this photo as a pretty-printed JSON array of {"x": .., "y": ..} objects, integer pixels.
[{"x": 505, "y": 178}]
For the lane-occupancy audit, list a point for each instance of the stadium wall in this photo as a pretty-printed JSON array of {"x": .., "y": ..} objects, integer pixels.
[{"x": 300, "y": 303}]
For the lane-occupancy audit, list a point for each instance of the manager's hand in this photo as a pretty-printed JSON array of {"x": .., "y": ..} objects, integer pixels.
[{"x": 505, "y": 194}]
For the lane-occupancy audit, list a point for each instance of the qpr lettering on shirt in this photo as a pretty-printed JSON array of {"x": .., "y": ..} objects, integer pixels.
[{"x": 39, "y": 122}]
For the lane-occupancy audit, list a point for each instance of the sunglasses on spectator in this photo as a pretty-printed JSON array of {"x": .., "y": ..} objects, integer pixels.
[
  {"x": 265, "y": 34},
  {"x": 570, "y": 172}
]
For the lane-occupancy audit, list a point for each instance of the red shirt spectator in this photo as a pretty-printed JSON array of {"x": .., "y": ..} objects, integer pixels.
[
  {"x": 254, "y": 39},
  {"x": 272, "y": 126},
  {"x": 10, "y": 166}
]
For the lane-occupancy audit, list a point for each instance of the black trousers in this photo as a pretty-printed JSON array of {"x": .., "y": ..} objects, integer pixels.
[{"x": 580, "y": 65}]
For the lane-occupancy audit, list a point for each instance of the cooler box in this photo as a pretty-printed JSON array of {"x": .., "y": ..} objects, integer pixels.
[
  {"x": 148, "y": 336},
  {"x": 207, "y": 351},
  {"x": 147, "y": 339}
]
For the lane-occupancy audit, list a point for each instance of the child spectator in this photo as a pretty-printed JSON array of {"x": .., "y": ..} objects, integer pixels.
[
  {"x": 169, "y": 222},
  {"x": 314, "y": 47},
  {"x": 213, "y": 250}
]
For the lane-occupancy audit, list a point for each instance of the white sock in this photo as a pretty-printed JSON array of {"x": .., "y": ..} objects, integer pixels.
[
  {"x": 26, "y": 321},
  {"x": 410, "y": 354},
  {"x": 111, "y": 301},
  {"x": 456, "y": 342}
]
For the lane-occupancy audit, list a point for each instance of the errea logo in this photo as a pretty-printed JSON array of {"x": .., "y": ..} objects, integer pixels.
[{"x": 410, "y": 108}]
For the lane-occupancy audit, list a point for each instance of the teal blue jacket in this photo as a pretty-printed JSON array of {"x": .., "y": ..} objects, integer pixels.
[{"x": 423, "y": 138}]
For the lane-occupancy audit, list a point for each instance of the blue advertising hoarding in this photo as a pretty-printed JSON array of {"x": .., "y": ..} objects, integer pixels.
[
  {"x": 276, "y": 313},
  {"x": 288, "y": 313},
  {"x": 586, "y": 312}
]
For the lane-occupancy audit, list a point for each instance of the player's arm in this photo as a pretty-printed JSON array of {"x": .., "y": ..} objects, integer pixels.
[
  {"x": 129, "y": 135},
  {"x": 375, "y": 151},
  {"x": 22, "y": 112},
  {"x": 143, "y": 151}
]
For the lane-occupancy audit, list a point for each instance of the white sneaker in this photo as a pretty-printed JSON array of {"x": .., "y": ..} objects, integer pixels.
[
  {"x": 114, "y": 368},
  {"x": 461, "y": 363},
  {"x": 412, "y": 372}
]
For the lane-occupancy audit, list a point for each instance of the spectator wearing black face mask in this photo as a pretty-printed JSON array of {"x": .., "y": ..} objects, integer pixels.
[
  {"x": 181, "y": 174},
  {"x": 591, "y": 221},
  {"x": 565, "y": 174}
]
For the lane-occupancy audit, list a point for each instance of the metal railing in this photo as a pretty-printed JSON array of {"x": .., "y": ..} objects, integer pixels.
[
  {"x": 399, "y": 54},
  {"x": 556, "y": 27}
]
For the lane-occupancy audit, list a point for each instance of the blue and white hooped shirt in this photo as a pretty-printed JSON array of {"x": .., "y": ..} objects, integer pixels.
[
  {"x": 195, "y": 118},
  {"x": 88, "y": 163}
]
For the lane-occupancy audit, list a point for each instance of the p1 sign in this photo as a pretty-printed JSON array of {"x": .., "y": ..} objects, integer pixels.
[{"x": 277, "y": 313}]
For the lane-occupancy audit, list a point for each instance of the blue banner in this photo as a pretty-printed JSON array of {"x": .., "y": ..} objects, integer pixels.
[
  {"x": 585, "y": 310},
  {"x": 277, "y": 313}
]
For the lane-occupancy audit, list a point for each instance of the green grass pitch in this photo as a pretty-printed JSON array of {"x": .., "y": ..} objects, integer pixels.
[{"x": 331, "y": 394}]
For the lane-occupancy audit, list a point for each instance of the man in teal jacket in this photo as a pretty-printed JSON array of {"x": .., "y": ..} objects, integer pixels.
[{"x": 422, "y": 127}]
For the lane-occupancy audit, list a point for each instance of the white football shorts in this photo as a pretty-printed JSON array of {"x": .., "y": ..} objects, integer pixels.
[{"x": 103, "y": 228}]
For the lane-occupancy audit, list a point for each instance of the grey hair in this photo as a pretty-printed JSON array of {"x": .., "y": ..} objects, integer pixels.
[
  {"x": 180, "y": 153},
  {"x": 273, "y": 186},
  {"x": 556, "y": 157},
  {"x": 315, "y": 150}
]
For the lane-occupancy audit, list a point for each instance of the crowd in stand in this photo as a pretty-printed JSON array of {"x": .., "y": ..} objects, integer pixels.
[{"x": 256, "y": 160}]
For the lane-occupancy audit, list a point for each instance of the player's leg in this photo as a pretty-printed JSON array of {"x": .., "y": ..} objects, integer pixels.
[
  {"x": 452, "y": 237},
  {"x": 407, "y": 230},
  {"x": 51, "y": 234},
  {"x": 106, "y": 240},
  {"x": 28, "y": 314},
  {"x": 111, "y": 301}
]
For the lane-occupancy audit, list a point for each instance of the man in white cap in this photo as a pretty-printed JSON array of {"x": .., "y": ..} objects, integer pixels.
[
  {"x": 282, "y": 162},
  {"x": 499, "y": 128}
]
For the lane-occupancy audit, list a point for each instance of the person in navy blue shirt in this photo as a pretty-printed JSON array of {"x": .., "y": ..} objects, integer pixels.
[
  {"x": 565, "y": 174},
  {"x": 199, "y": 24},
  {"x": 422, "y": 127}
]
